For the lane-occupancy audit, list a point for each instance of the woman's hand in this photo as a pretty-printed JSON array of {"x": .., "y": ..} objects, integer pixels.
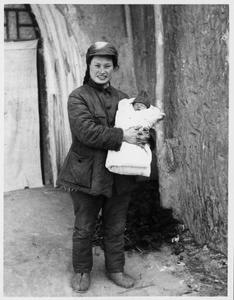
[
  {"x": 130, "y": 135},
  {"x": 143, "y": 137},
  {"x": 134, "y": 135}
]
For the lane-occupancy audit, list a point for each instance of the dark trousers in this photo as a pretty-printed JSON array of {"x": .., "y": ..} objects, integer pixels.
[{"x": 114, "y": 213}]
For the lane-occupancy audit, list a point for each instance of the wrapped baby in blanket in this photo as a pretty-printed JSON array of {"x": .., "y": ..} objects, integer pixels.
[{"x": 133, "y": 159}]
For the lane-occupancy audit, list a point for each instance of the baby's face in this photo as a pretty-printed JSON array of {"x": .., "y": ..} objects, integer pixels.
[{"x": 139, "y": 106}]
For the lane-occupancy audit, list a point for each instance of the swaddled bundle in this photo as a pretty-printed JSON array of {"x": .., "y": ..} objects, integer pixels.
[{"x": 133, "y": 159}]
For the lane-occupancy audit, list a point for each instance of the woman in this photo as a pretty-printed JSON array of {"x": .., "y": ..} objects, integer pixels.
[{"x": 91, "y": 109}]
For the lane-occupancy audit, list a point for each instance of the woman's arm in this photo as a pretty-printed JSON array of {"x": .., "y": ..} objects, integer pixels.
[
  {"x": 84, "y": 127},
  {"x": 88, "y": 132}
]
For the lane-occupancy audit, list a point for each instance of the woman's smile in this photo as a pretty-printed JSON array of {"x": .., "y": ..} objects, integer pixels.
[{"x": 102, "y": 77}]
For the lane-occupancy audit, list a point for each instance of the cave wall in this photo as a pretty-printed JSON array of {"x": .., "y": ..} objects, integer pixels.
[{"x": 195, "y": 160}]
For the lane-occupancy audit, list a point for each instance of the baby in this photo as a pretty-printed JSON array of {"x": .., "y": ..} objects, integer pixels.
[
  {"x": 141, "y": 102},
  {"x": 134, "y": 159}
]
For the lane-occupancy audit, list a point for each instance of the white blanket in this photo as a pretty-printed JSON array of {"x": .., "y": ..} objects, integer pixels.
[{"x": 132, "y": 159}]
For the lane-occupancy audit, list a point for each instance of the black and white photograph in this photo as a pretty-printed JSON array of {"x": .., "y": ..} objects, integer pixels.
[{"x": 116, "y": 149}]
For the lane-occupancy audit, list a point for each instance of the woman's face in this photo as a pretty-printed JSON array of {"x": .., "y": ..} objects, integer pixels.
[{"x": 101, "y": 69}]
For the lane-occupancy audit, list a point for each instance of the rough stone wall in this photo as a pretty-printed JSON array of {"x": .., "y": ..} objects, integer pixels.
[{"x": 196, "y": 128}]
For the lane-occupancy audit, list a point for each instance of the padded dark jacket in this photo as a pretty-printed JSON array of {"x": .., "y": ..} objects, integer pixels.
[{"x": 91, "y": 111}]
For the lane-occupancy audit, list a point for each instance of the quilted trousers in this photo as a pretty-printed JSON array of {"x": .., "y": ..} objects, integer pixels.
[{"x": 114, "y": 214}]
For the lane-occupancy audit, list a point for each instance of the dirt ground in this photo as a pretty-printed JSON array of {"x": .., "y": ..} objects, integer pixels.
[{"x": 38, "y": 225}]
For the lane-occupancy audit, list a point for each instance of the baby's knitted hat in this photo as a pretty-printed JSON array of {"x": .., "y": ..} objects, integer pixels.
[{"x": 142, "y": 97}]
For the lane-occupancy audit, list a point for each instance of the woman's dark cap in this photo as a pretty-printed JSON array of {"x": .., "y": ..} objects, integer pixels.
[
  {"x": 142, "y": 97},
  {"x": 102, "y": 49}
]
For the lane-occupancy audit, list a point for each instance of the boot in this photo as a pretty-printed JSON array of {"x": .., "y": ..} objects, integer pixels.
[
  {"x": 122, "y": 279},
  {"x": 81, "y": 282}
]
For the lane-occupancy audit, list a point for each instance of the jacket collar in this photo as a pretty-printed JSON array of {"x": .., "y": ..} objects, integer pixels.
[{"x": 100, "y": 87}]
